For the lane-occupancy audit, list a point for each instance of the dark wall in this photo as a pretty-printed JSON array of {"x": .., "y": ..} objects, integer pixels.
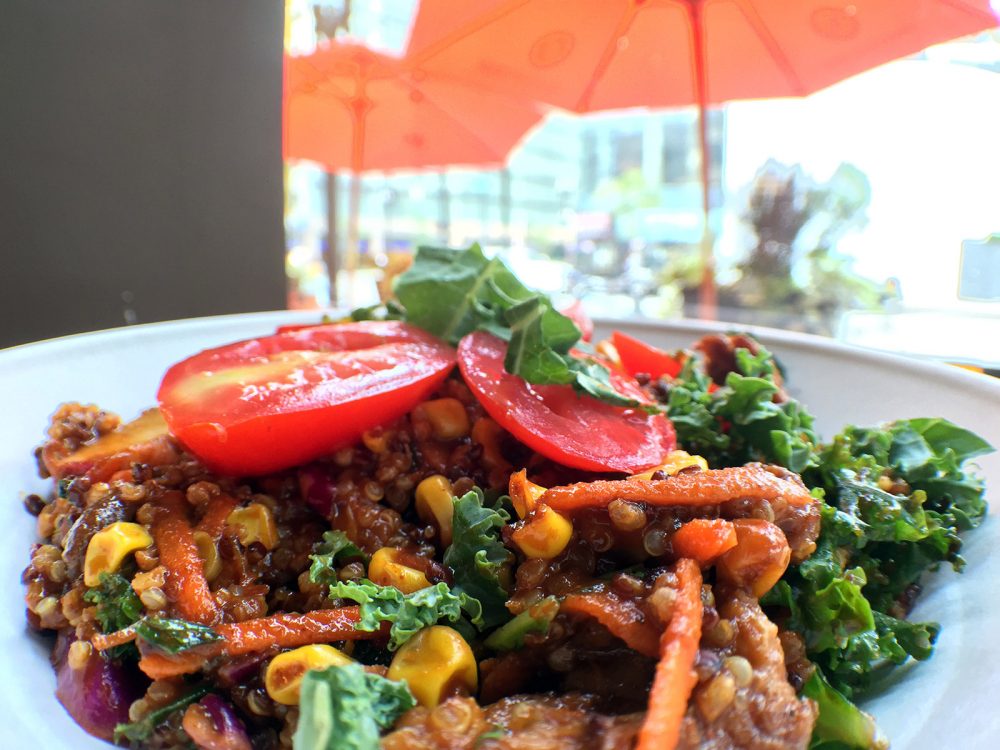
[{"x": 140, "y": 162}]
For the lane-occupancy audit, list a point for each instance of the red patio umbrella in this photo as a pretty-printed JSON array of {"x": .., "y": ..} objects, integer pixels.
[
  {"x": 350, "y": 108},
  {"x": 587, "y": 55}
]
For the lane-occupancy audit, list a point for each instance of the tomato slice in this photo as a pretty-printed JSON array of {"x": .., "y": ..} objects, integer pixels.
[
  {"x": 144, "y": 440},
  {"x": 576, "y": 431},
  {"x": 639, "y": 357},
  {"x": 578, "y": 315},
  {"x": 266, "y": 404}
]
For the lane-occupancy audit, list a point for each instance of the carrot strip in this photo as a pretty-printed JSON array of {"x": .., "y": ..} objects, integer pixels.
[
  {"x": 104, "y": 641},
  {"x": 622, "y": 618},
  {"x": 283, "y": 630},
  {"x": 704, "y": 539},
  {"x": 697, "y": 488},
  {"x": 186, "y": 584},
  {"x": 675, "y": 676},
  {"x": 218, "y": 510},
  {"x": 291, "y": 630},
  {"x": 161, "y": 666}
]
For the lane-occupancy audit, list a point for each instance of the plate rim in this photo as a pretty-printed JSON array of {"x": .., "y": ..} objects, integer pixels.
[{"x": 987, "y": 385}]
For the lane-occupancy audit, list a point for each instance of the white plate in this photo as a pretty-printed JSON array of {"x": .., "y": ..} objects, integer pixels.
[{"x": 949, "y": 702}]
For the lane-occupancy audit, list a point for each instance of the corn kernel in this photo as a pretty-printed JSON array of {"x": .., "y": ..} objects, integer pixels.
[
  {"x": 387, "y": 569},
  {"x": 209, "y": 554},
  {"x": 254, "y": 523},
  {"x": 446, "y": 416},
  {"x": 524, "y": 494},
  {"x": 285, "y": 672},
  {"x": 435, "y": 504},
  {"x": 544, "y": 534},
  {"x": 674, "y": 462},
  {"x": 436, "y": 663},
  {"x": 376, "y": 440},
  {"x": 109, "y": 547},
  {"x": 486, "y": 433}
]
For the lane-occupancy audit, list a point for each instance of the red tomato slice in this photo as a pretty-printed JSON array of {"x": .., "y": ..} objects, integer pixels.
[
  {"x": 639, "y": 357},
  {"x": 574, "y": 430},
  {"x": 578, "y": 315},
  {"x": 266, "y": 404}
]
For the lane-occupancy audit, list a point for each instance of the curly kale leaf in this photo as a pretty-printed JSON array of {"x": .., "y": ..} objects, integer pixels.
[
  {"x": 741, "y": 421},
  {"x": 334, "y": 549},
  {"x": 409, "y": 613},
  {"x": 891, "y": 513},
  {"x": 117, "y": 604},
  {"x": 478, "y": 559},
  {"x": 346, "y": 708}
]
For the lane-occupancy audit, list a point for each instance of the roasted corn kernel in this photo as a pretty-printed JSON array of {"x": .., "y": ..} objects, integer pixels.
[
  {"x": 209, "y": 554},
  {"x": 254, "y": 523},
  {"x": 544, "y": 534},
  {"x": 446, "y": 416},
  {"x": 435, "y": 504},
  {"x": 674, "y": 462},
  {"x": 436, "y": 663},
  {"x": 109, "y": 547},
  {"x": 388, "y": 569},
  {"x": 759, "y": 559},
  {"x": 524, "y": 494},
  {"x": 285, "y": 672}
]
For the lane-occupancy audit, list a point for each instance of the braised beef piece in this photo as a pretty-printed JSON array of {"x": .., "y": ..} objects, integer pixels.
[
  {"x": 521, "y": 722},
  {"x": 743, "y": 698}
]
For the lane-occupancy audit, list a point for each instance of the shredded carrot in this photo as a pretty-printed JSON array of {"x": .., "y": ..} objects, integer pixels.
[
  {"x": 696, "y": 488},
  {"x": 284, "y": 630},
  {"x": 704, "y": 539},
  {"x": 675, "y": 677},
  {"x": 291, "y": 630},
  {"x": 162, "y": 666},
  {"x": 104, "y": 641},
  {"x": 622, "y": 617},
  {"x": 186, "y": 584},
  {"x": 216, "y": 513}
]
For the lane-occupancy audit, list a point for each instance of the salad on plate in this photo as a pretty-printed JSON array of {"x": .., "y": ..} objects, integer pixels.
[{"x": 455, "y": 521}]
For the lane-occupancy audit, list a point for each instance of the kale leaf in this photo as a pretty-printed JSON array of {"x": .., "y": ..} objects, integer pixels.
[
  {"x": 478, "y": 559},
  {"x": 895, "y": 497},
  {"x": 117, "y": 604},
  {"x": 740, "y": 421},
  {"x": 533, "y": 621},
  {"x": 140, "y": 731},
  {"x": 117, "y": 608},
  {"x": 409, "y": 613},
  {"x": 346, "y": 708},
  {"x": 451, "y": 293},
  {"x": 841, "y": 724},
  {"x": 174, "y": 636},
  {"x": 335, "y": 548}
]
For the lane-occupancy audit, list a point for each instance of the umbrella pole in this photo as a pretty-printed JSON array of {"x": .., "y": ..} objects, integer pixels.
[
  {"x": 332, "y": 234},
  {"x": 708, "y": 308},
  {"x": 353, "y": 237}
]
